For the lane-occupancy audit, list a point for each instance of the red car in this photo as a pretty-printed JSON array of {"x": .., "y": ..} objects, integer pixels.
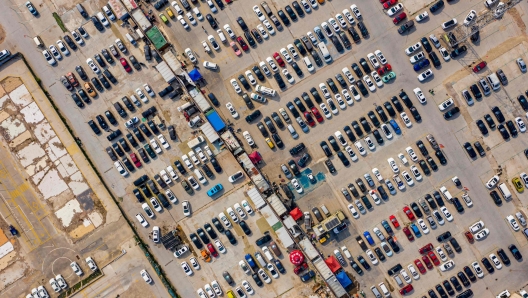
[
  {"x": 135, "y": 160},
  {"x": 383, "y": 1},
  {"x": 242, "y": 43},
  {"x": 420, "y": 266},
  {"x": 399, "y": 18},
  {"x": 72, "y": 79},
  {"x": 317, "y": 115},
  {"x": 407, "y": 289},
  {"x": 309, "y": 119},
  {"x": 125, "y": 65},
  {"x": 427, "y": 262},
  {"x": 300, "y": 268},
  {"x": 394, "y": 221},
  {"x": 426, "y": 248},
  {"x": 433, "y": 257},
  {"x": 389, "y": 3},
  {"x": 279, "y": 60},
  {"x": 212, "y": 250},
  {"x": 408, "y": 233},
  {"x": 469, "y": 236},
  {"x": 409, "y": 213},
  {"x": 479, "y": 66}
]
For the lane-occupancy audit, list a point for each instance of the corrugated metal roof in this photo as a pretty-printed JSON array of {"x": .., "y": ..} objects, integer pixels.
[
  {"x": 209, "y": 132},
  {"x": 277, "y": 204},
  {"x": 166, "y": 72},
  {"x": 253, "y": 172},
  {"x": 323, "y": 269},
  {"x": 308, "y": 249},
  {"x": 270, "y": 217},
  {"x": 119, "y": 9},
  {"x": 336, "y": 287},
  {"x": 173, "y": 62},
  {"x": 130, "y": 4},
  {"x": 292, "y": 226},
  {"x": 200, "y": 100},
  {"x": 284, "y": 237},
  {"x": 256, "y": 198}
]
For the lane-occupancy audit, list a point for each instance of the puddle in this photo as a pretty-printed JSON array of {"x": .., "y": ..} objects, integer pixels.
[{"x": 306, "y": 184}]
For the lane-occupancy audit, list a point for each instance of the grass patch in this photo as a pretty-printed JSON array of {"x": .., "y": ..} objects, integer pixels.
[{"x": 59, "y": 22}]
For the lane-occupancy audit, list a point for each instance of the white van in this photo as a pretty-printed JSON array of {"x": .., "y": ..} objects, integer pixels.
[
  {"x": 324, "y": 51},
  {"x": 199, "y": 175},
  {"x": 375, "y": 291},
  {"x": 505, "y": 191},
  {"x": 192, "y": 123},
  {"x": 384, "y": 289},
  {"x": 309, "y": 64},
  {"x": 292, "y": 131},
  {"x": 259, "y": 258},
  {"x": 210, "y": 65},
  {"x": 346, "y": 252},
  {"x": 325, "y": 210},
  {"x": 135, "y": 100},
  {"x": 222, "y": 36},
  {"x": 265, "y": 90},
  {"x": 446, "y": 193},
  {"x": 494, "y": 81},
  {"x": 267, "y": 253},
  {"x": 490, "y": 3},
  {"x": 38, "y": 41}
]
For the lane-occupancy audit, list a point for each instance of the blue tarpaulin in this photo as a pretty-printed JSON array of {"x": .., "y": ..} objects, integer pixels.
[
  {"x": 215, "y": 120},
  {"x": 195, "y": 75},
  {"x": 343, "y": 279}
]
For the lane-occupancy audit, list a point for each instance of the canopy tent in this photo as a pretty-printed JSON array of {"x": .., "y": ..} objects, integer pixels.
[
  {"x": 195, "y": 75},
  {"x": 296, "y": 213},
  {"x": 296, "y": 257},
  {"x": 333, "y": 264}
]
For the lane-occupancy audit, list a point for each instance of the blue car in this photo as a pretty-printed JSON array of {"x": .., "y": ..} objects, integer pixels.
[
  {"x": 250, "y": 261},
  {"x": 395, "y": 126},
  {"x": 215, "y": 189},
  {"x": 416, "y": 230},
  {"x": 369, "y": 238},
  {"x": 421, "y": 64}
]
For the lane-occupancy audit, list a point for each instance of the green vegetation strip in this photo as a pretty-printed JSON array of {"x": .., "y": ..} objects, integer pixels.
[
  {"x": 142, "y": 245},
  {"x": 57, "y": 18}
]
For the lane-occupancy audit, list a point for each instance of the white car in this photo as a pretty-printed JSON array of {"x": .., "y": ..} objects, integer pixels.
[
  {"x": 438, "y": 217},
  {"x": 373, "y": 60},
  {"x": 513, "y": 223},
  {"x": 393, "y": 165},
  {"x": 378, "y": 233},
  {"x": 413, "y": 48},
  {"x": 406, "y": 119},
  {"x": 312, "y": 38},
  {"x": 183, "y": 22},
  {"x": 191, "y": 18},
  {"x": 360, "y": 207},
  {"x": 405, "y": 276},
  {"x": 332, "y": 106},
  {"x": 246, "y": 206},
  {"x": 325, "y": 91},
  {"x": 212, "y": 6},
  {"x": 63, "y": 48},
  {"x": 92, "y": 65},
  {"x": 76, "y": 269},
  {"x": 413, "y": 271},
  {"x": 470, "y": 17},
  {"x": 149, "y": 90},
  {"x": 445, "y": 54},
  {"x": 259, "y": 13},
  {"x": 240, "y": 211},
  {"x": 220, "y": 246},
  {"x": 402, "y": 158},
  {"x": 424, "y": 15},
  {"x": 447, "y": 265},
  {"x": 425, "y": 75},
  {"x": 248, "y": 138},
  {"x": 349, "y": 17},
  {"x": 521, "y": 64},
  {"x": 423, "y": 226},
  {"x": 142, "y": 220},
  {"x": 398, "y": 181},
  {"x": 355, "y": 93},
  {"x": 155, "y": 146},
  {"x": 263, "y": 31},
  {"x": 340, "y": 101},
  {"x": 467, "y": 200},
  {"x": 411, "y": 153},
  {"x": 369, "y": 143},
  {"x": 272, "y": 64},
  {"x": 206, "y": 48},
  {"x": 55, "y": 52},
  {"x": 348, "y": 75},
  {"x": 355, "y": 214},
  {"x": 356, "y": 12},
  {"x": 347, "y": 97},
  {"x": 91, "y": 263},
  {"x": 340, "y": 138},
  {"x": 374, "y": 197},
  {"x": 229, "y": 31},
  {"x": 474, "y": 228},
  {"x": 247, "y": 287},
  {"x": 186, "y": 208},
  {"x": 268, "y": 27},
  {"x": 297, "y": 186},
  {"x": 232, "y": 110},
  {"x": 360, "y": 148},
  {"x": 524, "y": 178},
  {"x": 419, "y": 94},
  {"x": 325, "y": 110},
  {"x": 272, "y": 270},
  {"x": 446, "y": 104},
  {"x": 416, "y": 173},
  {"x": 441, "y": 253},
  {"x": 477, "y": 269},
  {"x": 369, "y": 83},
  {"x": 386, "y": 131},
  {"x": 434, "y": 40},
  {"x": 288, "y": 76},
  {"x": 141, "y": 95},
  {"x": 495, "y": 261},
  {"x": 419, "y": 56},
  {"x": 350, "y": 152},
  {"x": 371, "y": 256},
  {"x": 209, "y": 290},
  {"x": 264, "y": 276},
  {"x": 155, "y": 203},
  {"x": 186, "y": 268},
  {"x": 308, "y": 64},
  {"x": 196, "y": 12},
  {"x": 377, "y": 79},
  {"x": 446, "y": 213},
  {"x": 292, "y": 50},
  {"x": 482, "y": 234},
  {"x": 120, "y": 168},
  {"x": 408, "y": 179},
  {"x": 381, "y": 57},
  {"x": 377, "y": 173},
  {"x": 334, "y": 24},
  {"x": 520, "y": 124},
  {"x": 232, "y": 214},
  {"x": 163, "y": 141},
  {"x": 341, "y": 20},
  {"x": 213, "y": 42},
  {"x": 145, "y": 276},
  {"x": 224, "y": 219},
  {"x": 326, "y": 29},
  {"x": 286, "y": 56},
  {"x": 395, "y": 9},
  {"x": 449, "y": 24},
  {"x": 492, "y": 182}
]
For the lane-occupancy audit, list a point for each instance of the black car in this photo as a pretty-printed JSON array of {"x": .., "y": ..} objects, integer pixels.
[
  {"x": 333, "y": 143},
  {"x": 210, "y": 231},
  {"x": 422, "y": 148},
  {"x": 346, "y": 42},
  {"x": 361, "y": 185},
  {"x": 389, "y": 108},
  {"x": 455, "y": 244},
  {"x": 365, "y": 124},
  {"x": 257, "y": 36},
  {"x": 81, "y": 72},
  {"x": 498, "y": 114},
  {"x": 298, "y": 148},
  {"x": 448, "y": 287},
  {"x": 416, "y": 115},
  {"x": 356, "y": 267},
  {"x": 523, "y": 102},
  {"x": 363, "y": 29},
  {"x": 297, "y": 69},
  {"x": 443, "y": 236},
  {"x": 244, "y": 227},
  {"x": 97, "y": 84},
  {"x": 94, "y": 127},
  {"x": 251, "y": 117},
  {"x": 482, "y": 127},
  {"x": 257, "y": 280},
  {"x": 279, "y": 80},
  {"x": 469, "y": 149},
  {"x": 479, "y": 148},
  {"x": 212, "y": 21},
  {"x": 434, "y": 58},
  {"x": 354, "y": 34},
  {"x": 298, "y": 8},
  {"x": 104, "y": 81},
  {"x": 357, "y": 70},
  {"x": 283, "y": 18},
  {"x": 504, "y": 133},
  {"x": 330, "y": 166},
  {"x": 381, "y": 114},
  {"x": 218, "y": 225},
  {"x": 97, "y": 24},
  {"x": 299, "y": 104},
  {"x": 441, "y": 157},
  {"x": 216, "y": 165},
  {"x": 357, "y": 129},
  {"x": 416, "y": 210},
  {"x": 278, "y": 141},
  {"x": 337, "y": 43},
  {"x": 458, "y": 51},
  {"x": 470, "y": 273},
  {"x": 489, "y": 121},
  {"x": 380, "y": 254},
  {"x": 362, "y": 88},
  {"x": 432, "y": 163},
  {"x": 349, "y": 133},
  {"x": 292, "y": 109},
  {"x": 504, "y": 258},
  {"x": 487, "y": 265},
  {"x": 511, "y": 127},
  {"x": 373, "y": 118},
  {"x": 463, "y": 278},
  {"x": 515, "y": 252},
  {"x": 195, "y": 240},
  {"x": 363, "y": 262},
  {"x": 317, "y": 59},
  {"x": 291, "y": 13},
  {"x": 203, "y": 236},
  {"x": 441, "y": 291},
  {"x": 365, "y": 65},
  {"x": 397, "y": 104},
  {"x": 258, "y": 73},
  {"x": 316, "y": 95},
  {"x": 495, "y": 197},
  {"x": 378, "y": 137},
  {"x": 476, "y": 91},
  {"x": 424, "y": 167},
  {"x": 343, "y": 158},
  {"x": 250, "y": 39},
  {"x": 451, "y": 113},
  {"x": 393, "y": 244}
]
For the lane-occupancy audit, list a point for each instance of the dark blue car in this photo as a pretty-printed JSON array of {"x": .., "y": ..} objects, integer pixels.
[
  {"x": 369, "y": 238},
  {"x": 421, "y": 64}
]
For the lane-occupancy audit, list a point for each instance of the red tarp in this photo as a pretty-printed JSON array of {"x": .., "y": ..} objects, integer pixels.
[
  {"x": 296, "y": 257},
  {"x": 296, "y": 213},
  {"x": 255, "y": 157},
  {"x": 333, "y": 264}
]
